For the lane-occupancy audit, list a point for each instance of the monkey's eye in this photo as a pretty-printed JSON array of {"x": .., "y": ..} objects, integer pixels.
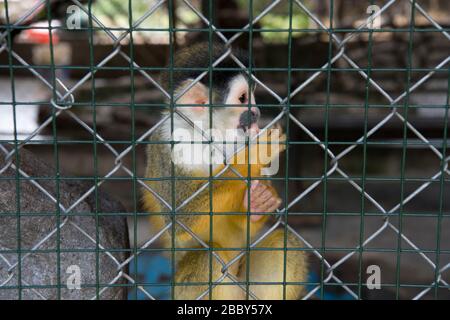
[{"x": 243, "y": 98}]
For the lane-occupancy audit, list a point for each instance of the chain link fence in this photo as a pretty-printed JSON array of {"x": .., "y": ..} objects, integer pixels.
[{"x": 389, "y": 219}]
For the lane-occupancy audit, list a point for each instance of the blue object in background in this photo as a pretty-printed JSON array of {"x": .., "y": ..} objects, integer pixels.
[
  {"x": 313, "y": 277},
  {"x": 156, "y": 269}
]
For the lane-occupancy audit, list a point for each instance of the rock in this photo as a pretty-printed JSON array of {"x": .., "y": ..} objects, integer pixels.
[{"x": 31, "y": 235}]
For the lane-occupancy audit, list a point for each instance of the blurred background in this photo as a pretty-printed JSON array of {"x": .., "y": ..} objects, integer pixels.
[{"x": 337, "y": 107}]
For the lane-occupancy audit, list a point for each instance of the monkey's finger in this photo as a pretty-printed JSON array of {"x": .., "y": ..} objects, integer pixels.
[
  {"x": 259, "y": 189},
  {"x": 254, "y": 195},
  {"x": 265, "y": 195},
  {"x": 255, "y": 186},
  {"x": 255, "y": 207},
  {"x": 246, "y": 202},
  {"x": 255, "y": 217},
  {"x": 272, "y": 204},
  {"x": 258, "y": 201},
  {"x": 255, "y": 200}
]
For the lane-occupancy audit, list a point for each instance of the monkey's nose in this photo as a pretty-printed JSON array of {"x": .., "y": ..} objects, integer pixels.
[{"x": 249, "y": 117}]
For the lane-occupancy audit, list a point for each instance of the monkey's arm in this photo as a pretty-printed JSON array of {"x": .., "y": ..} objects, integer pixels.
[
  {"x": 228, "y": 196},
  {"x": 221, "y": 197}
]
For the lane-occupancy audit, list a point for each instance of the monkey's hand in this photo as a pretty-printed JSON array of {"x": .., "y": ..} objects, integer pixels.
[
  {"x": 261, "y": 153},
  {"x": 276, "y": 139},
  {"x": 263, "y": 199}
]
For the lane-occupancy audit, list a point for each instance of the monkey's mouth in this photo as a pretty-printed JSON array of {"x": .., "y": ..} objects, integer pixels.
[
  {"x": 248, "y": 122},
  {"x": 250, "y": 130}
]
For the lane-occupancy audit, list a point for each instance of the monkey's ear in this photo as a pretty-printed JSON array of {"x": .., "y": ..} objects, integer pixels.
[{"x": 197, "y": 95}]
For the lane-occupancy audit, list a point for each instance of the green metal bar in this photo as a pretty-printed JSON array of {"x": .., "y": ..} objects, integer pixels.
[
  {"x": 209, "y": 10},
  {"x": 55, "y": 155},
  {"x": 364, "y": 164},
  {"x": 325, "y": 167},
  {"x": 16, "y": 155},
  {"x": 288, "y": 112},
  {"x": 441, "y": 194},
  {"x": 172, "y": 106},
  {"x": 163, "y": 250},
  {"x": 156, "y": 284},
  {"x": 247, "y": 142},
  {"x": 233, "y": 30},
  {"x": 217, "y": 68},
  {"x": 292, "y": 213},
  {"x": 133, "y": 144},
  {"x": 404, "y": 150},
  {"x": 95, "y": 150}
]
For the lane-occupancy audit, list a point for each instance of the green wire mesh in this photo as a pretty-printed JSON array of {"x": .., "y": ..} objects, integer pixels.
[{"x": 332, "y": 152}]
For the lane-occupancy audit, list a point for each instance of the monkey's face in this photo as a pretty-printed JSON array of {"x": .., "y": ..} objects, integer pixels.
[
  {"x": 230, "y": 117},
  {"x": 240, "y": 111},
  {"x": 233, "y": 109}
]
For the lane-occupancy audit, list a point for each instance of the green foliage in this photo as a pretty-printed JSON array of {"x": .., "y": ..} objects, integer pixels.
[
  {"x": 115, "y": 13},
  {"x": 276, "y": 19}
]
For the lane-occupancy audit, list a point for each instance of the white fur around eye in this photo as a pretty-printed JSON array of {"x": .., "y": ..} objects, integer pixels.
[
  {"x": 223, "y": 119},
  {"x": 238, "y": 86}
]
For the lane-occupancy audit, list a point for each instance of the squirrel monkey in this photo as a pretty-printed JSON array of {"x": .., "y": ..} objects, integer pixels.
[{"x": 227, "y": 203}]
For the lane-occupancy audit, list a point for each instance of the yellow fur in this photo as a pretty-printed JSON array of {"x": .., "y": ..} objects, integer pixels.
[{"x": 229, "y": 231}]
